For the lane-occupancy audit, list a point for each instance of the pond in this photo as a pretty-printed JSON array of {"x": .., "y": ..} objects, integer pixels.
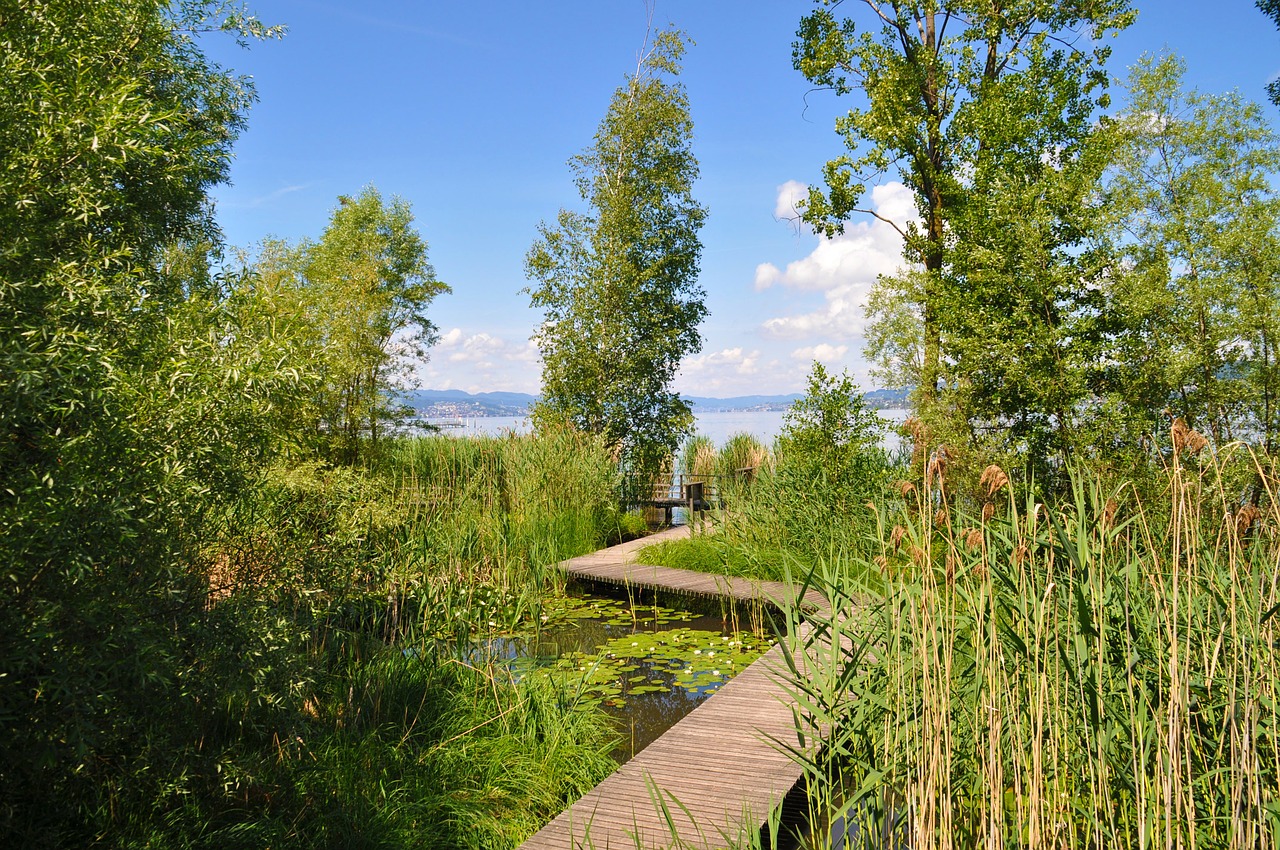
[{"x": 645, "y": 663}]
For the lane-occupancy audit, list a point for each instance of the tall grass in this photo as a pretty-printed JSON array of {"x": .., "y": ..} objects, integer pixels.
[
  {"x": 789, "y": 515},
  {"x": 1101, "y": 673},
  {"x": 334, "y": 701},
  {"x": 698, "y": 456},
  {"x": 502, "y": 510},
  {"x": 396, "y": 750}
]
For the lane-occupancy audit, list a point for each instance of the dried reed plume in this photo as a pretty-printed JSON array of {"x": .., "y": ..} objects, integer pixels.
[
  {"x": 938, "y": 463},
  {"x": 1109, "y": 514},
  {"x": 973, "y": 538},
  {"x": 1186, "y": 438},
  {"x": 1245, "y": 518},
  {"x": 993, "y": 478},
  {"x": 919, "y": 432}
]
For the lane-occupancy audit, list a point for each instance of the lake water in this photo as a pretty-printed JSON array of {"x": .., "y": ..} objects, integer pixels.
[
  {"x": 645, "y": 665},
  {"x": 764, "y": 425}
]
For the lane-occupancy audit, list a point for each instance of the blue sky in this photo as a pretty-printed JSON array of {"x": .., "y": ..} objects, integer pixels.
[{"x": 470, "y": 113}]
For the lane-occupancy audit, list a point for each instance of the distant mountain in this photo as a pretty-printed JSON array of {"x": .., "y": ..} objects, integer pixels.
[
  {"x": 701, "y": 404},
  {"x": 451, "y": 403},
  {"x": 456, "y": 403},
  {"x": 889, "y": 399}
]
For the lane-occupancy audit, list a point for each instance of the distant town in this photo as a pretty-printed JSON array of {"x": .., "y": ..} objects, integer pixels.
[{"x": 456, "y": 404}]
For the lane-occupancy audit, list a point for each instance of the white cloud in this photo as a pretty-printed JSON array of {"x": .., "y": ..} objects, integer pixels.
[
  {"x": 481, "y": 362},
  {"x": 735, "y": 360},
  {"x": 790, "y": 196},
  {"x": 728, "y": 372},
  {"x": 836, "y": 358},
  {"x": 766, "y": 275},
  {"x": 824, "y": 352},
  {"x": 842, "y": 268}
]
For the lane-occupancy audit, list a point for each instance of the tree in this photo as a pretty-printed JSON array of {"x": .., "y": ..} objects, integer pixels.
[
  {"x": 986, "y": 110},
  {"x": 1271, "y": 8},
  {"x": 357, "y": 300},
  {"x": 830, "y": 438},
  {"x": 1194, "y": 316},
  {"x": 618, "y": 285},
  {"x": 125, "y": 405}
]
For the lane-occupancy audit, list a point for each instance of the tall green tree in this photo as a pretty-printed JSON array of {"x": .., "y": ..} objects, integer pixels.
[
  {"x": 126, "y": 399},
  {"x": 1195, "y": 307},
  {"x": 986, "y": 111},
  {"x": 357, "y": 302},
  {"x": 618, "y": 285}
]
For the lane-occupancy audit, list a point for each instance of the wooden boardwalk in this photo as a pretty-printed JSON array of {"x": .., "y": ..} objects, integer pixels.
[
  {"x": 718, "y": 773},
  {"x": 616, "y": 565}
]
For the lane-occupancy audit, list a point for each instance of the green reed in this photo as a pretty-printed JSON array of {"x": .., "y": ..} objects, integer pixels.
[{"x": 1103, "y": 672}]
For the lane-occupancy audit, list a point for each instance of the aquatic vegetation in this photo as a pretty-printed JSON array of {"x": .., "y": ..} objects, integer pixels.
[
  {"x": 609, "y": 651},
  {"x": 695, "y": 660}
]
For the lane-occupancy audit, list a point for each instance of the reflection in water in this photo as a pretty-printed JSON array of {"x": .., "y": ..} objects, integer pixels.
[{"x": 643, "y": 718}]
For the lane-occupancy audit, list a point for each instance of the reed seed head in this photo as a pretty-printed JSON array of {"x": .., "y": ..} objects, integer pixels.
[
  {"x": 988, "y": 511},
  {"x": 895, "y": 536},
  {"x": 973, "y": 538},
  {"x": 1109, "y": 514},
  {"x": 993, "y": 478},
  {"x": 905, "y": 488},
  {"x": 940, "y": 517},
  {"x": 1245, "y": 518},
  {"x": 1186, "y": 438},
  {"x": 938, "y": 463},
  {"x": 918, "y": 430}
]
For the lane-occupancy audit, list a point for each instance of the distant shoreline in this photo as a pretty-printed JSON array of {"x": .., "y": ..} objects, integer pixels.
[{"x": 456, "y": 404}]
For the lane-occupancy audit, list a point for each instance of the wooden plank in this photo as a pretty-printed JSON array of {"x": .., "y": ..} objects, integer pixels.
[{"x": 720, "y": 771}]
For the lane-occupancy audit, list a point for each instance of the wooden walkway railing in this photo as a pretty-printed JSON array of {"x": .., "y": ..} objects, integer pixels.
[
  {"x": 671, "y": 490},
  {"x": 717, "y": 774}
]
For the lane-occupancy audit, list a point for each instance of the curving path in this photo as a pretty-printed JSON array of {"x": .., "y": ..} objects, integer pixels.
[{"x": 717, "y": 774}]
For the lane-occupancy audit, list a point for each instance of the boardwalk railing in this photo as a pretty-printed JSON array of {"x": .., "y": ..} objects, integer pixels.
[{"x": 682, "y": 489}]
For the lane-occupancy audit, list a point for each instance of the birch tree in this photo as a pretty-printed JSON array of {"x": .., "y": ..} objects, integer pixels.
[{"x": 618, "y": 284}]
